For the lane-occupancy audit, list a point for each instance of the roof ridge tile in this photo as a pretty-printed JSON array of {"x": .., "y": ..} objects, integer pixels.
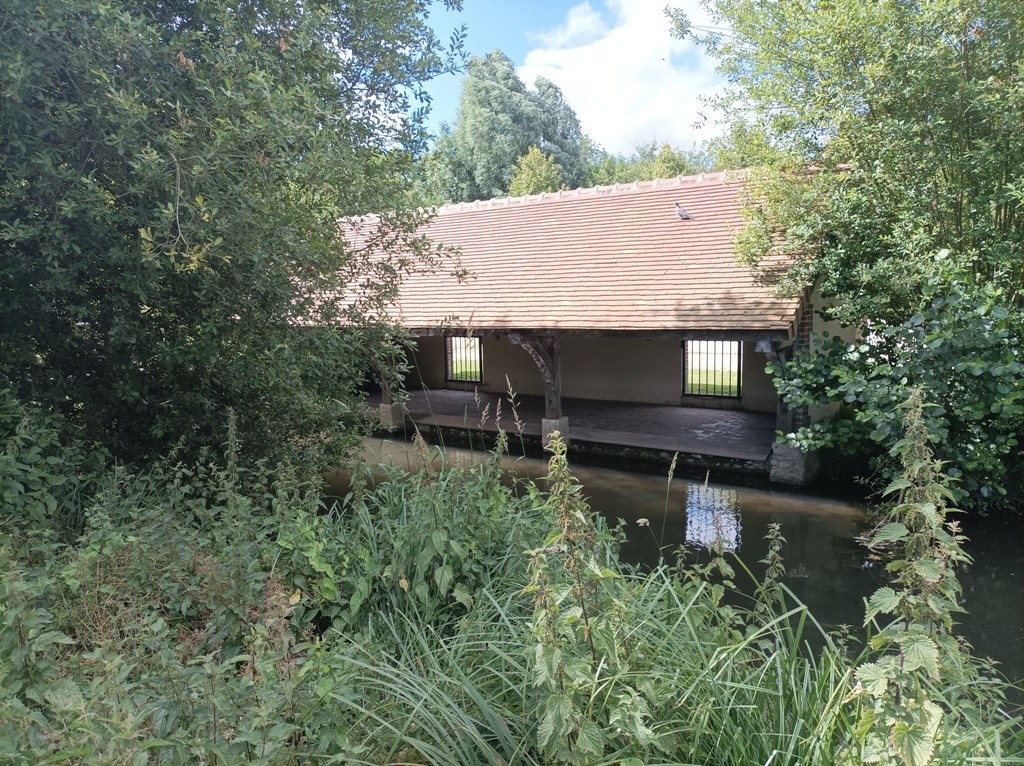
[{"x": 719, "y": 177}]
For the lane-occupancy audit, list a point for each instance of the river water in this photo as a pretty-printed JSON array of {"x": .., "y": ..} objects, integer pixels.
[{"x": 827, "y": 568}]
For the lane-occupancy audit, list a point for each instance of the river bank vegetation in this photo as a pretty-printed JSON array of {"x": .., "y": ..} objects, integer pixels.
[{"x": 221, "y": 613}]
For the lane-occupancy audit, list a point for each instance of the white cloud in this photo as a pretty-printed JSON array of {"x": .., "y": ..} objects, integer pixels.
[
  {"x": 582, "y": 25},
  {"x": 629, "y": 81}
]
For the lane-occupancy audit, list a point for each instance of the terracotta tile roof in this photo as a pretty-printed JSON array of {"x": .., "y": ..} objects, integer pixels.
[{"x": 610, "y": 259}]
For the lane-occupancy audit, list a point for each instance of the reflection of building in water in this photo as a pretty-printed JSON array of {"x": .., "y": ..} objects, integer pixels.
[{"x": 713, "y": 514}]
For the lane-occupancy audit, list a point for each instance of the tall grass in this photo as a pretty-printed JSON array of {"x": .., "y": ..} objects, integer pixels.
[
  {"x": 712, "y": 695},
  {"x": 218, "y": 614}
]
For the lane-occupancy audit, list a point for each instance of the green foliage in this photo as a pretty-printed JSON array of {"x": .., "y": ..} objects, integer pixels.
[
  {"x": 504, "y": 131},
  {"x": 171, "y": 180},
  {"x": 424, "y": 544},
  {"x": 163, "y": 633},
  {"x": 30, "y": 470},
  {"x": 963, "y": 351},
  {"x": 890, "y": 133},
  {"x": 913, "y": 107},
  {"x": 923, "y": 697},
  {"x": 744, "y": 145},
  {"x": 657, "y": 668},
  {"x": 208, "y": 614},
  {"x": 535, "y": 172},
  {"x": 43, "y": 474},
  {"x": 440, "y": 175},
  {"x": 499, "y": 120},
  {"x": 578, "y": 635},
  {"x": 649, "y": 161}
]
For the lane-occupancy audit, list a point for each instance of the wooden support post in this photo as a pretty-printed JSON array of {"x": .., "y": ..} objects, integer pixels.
[{"x": 546, "y": 352}]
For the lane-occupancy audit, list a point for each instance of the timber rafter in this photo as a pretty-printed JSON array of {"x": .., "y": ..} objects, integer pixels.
[{"x": 778, "y": 337}]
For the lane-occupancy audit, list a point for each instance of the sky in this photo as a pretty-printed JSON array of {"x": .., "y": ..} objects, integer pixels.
[{"x": 628, "y": 80}]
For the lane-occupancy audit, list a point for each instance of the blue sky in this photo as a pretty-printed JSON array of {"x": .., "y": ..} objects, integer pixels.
[{"x": 627, "y": 79}]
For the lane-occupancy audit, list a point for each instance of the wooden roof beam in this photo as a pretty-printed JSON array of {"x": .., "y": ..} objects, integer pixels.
[
  {"x": 775, "y": 336},
  {"x": 546, "y": 352}
]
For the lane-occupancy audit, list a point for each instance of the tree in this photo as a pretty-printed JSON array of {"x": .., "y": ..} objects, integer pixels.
[
  {"x": 963, "y": 348},
  {"x": 895, "y": 129},
  {"x": 915, "y": 111},
  {"x": 600, "y": 167},
  {"x": 667, "y": 162},
  {"x": 499, "y": 120},
  {"x": 560, "y": 133},
  {"x": 535, "y": 172},
  {"x": 442, "y": 175},
  {"x": 649, "y": 161},
  {"x": 172, "y": 176},
  {"x": 744, "y": 145}
]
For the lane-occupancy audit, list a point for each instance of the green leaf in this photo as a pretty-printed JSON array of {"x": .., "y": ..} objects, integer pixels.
[
  {"x": 424, "y": 558},
  {"x": 914, "y": 741},
  {"x": 890, "y": 533},
  {"x": 589, "y": 738},
  {"x": 875, "y": 750},
  {"x": 874, "y": 678},
  {"x": 70, "y": 754},
  {"x": 462, "y": 595},
  {"x": 919, "y": 651},
  {"x": 556, "y": 721},
  {"x": 896, "y": 485},
  {"x": 440, "y": 540},
  {"x": 443, "y": 576},
  {"x": 928, "y": 570},
  {"x": 883, "y": 601},
  {"x": 865, "y": 723},
  {"x": 64, "y": 695}
]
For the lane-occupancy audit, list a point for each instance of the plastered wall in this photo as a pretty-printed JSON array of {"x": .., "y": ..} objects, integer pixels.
[
  {"x": 426, "y": 362},
  {"x": 621, "y": 369},
  {"x": 757, "y": 391},
  {"x": 610, "y": 369},
  {"x": 819, "y": 327}
]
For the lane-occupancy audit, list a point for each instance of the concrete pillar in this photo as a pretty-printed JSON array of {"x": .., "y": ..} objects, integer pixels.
[
  {"x": 392, "y": 417},
  {"x": 790, "y": 465},
  {"x": 549, "y": 426}
]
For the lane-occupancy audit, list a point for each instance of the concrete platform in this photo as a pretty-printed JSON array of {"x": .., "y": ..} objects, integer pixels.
[{"x": 725, "y": 434}]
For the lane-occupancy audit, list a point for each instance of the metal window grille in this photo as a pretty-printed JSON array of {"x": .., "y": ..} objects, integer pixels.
[
  {"x": 711, "y": 368},
  {"x": 464, "y": 361}
]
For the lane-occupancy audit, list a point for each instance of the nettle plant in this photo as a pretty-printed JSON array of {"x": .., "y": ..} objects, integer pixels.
[
  {"x": 923, "y": 696},
  {"x": 580, "y": 650}
]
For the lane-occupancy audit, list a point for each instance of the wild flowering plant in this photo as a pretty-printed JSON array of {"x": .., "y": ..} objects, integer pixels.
[
  {"x": 589, "y": 701},
  {"x": 923, "y": 698}
]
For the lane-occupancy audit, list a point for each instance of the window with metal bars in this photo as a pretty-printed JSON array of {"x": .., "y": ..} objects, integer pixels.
[
  {"x": 712, "y": 368},
  {"x": 464, "y": 360}
]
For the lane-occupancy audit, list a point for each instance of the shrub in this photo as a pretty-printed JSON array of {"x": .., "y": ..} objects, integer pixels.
[{"x": 219, "y": 614}]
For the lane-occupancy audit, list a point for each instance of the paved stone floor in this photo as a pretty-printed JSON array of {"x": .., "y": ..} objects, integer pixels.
[{"x": 718, "y": 433}]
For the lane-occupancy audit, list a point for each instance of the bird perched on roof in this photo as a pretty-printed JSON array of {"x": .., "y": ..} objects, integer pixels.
[{"x": 681, "y": 212}]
